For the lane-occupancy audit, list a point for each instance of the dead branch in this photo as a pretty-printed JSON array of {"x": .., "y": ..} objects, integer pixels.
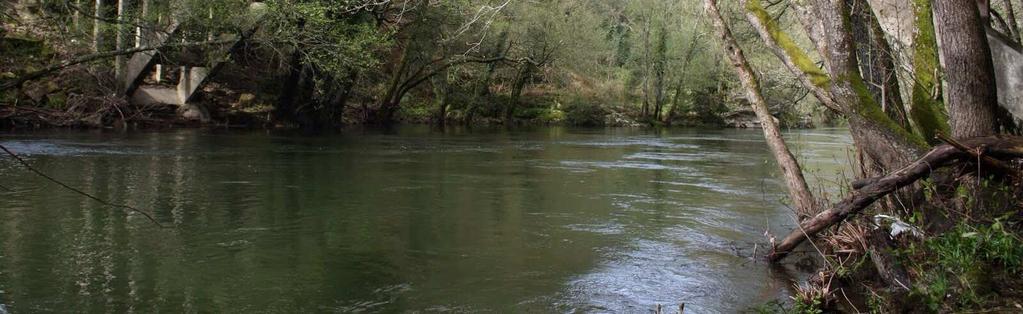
[
  {"x": 90, "y": 196},
  {"x": 1000, "y": 166},
  {"x": 876, "y": 188}
]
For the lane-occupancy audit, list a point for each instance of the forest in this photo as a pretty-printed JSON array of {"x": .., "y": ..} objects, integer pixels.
[
  {"x": 919, "y": 103},
  {"x": 325, "y": 64}
]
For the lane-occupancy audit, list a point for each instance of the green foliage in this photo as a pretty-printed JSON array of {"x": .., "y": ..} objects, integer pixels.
[
  {"x": 581, "y": 112},
  {"x": 617, "y": 54},
  {"x": 772, "y": 307},
  {"x": 798, "y": 306},
  {"x": 812, "y": 306},
  {"x": 541, "y": 115},
  {"x": 329, "y": 38},
  {"x": 709, "y": 107},
  {"x": 16, "y": 46},
  {"x": 958, "y": 266}
]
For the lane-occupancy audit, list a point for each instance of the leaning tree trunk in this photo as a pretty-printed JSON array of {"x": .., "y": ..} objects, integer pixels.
[
  {"x": 798, "y": 190},
  {"x": 971, "y": 96}
]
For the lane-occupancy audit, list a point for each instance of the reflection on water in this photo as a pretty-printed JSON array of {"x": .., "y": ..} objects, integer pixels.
[{"x": 547, "y": 219}]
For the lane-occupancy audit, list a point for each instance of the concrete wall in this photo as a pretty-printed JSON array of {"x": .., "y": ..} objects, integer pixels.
[{"x": 1008, "y": 60}]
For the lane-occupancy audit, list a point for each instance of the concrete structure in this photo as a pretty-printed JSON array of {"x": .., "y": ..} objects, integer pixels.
[
  {"x": 1008, "y": 58},
  {"x": 191, "y": 77}
]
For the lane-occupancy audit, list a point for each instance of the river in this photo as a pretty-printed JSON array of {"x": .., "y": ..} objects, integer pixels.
[{"x": 409, "y": 219}]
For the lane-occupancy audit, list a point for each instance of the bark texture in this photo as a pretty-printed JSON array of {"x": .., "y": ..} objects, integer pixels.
[
  {"x": 97, "y": 34},
  {"x": 971, "y": 95}
]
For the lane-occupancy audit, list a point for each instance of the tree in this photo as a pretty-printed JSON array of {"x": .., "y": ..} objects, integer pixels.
[
  {"x": 971, "y": 96},
  {"x": 803, "y": 200}
]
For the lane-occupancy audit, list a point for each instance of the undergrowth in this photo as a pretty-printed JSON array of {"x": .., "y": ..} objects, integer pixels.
[{"x": 965, "y": 268}]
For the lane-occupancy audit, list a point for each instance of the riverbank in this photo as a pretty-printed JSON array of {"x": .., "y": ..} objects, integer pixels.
[{"x": 114, "y": 113}]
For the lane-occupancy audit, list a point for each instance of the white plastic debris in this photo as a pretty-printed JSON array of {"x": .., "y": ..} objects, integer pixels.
[{"x": 898, "y": 226}]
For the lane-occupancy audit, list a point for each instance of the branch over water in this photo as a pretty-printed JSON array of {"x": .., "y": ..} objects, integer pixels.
[{"x": 90, "y": 196}]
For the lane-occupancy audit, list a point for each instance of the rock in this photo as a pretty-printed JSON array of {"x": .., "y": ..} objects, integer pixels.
[
  {"x": 618, "y": 119},
  {"x": 193, "y": 112},
  {"x": 744, "y": 118},
  {"x": 245, "y": 99}
]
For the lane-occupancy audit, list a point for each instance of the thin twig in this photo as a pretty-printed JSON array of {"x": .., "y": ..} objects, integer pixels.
[{"x": 90, "y": 196}]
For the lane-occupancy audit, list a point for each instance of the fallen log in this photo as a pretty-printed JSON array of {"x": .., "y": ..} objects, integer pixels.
[
  {"x": 999, "y": 166},
  {"x": 999, "y": 147}
]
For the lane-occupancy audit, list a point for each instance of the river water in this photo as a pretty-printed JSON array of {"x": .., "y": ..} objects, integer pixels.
[{"x": 403, "y": 220}]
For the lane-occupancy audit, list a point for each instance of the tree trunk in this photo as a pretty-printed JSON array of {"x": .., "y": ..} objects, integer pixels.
[
  {"x": 520, "y": 84},
  {"x": 660, "y": 69},
  {"x": 97, "y": 32},
  {"x": 387, "y": 107},
  {"x": 802, "y": 199},
  {"x": 672, "y": 111},
  {"x": 690, "y": 52},
  {"x": 285, "y": 110},
  {"x": 441, "y": 89},
  {"x": 971, "y": 97},
  {"x": 121, "y": 60},
  {"x": 839, "y": 86},
  {"x": 646, "y": 70},
  {"x": 876, "y": 61},
  {"x": 139, "y": 36},
  {"x": 334, "y": 104},
  {"x": 76, "y": 17}
]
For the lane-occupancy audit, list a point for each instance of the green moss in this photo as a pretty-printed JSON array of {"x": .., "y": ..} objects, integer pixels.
[
  {"x": 869, "y": 109},
  {"x": 817, "y": 76},
  {"x": 926, "y": 113},
  {"x": 19, "y": 46}
]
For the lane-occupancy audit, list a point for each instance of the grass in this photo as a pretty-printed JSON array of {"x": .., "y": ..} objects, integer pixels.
[{"x": 958, "y": 270}]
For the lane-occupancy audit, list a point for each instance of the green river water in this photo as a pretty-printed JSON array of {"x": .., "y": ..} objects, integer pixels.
[{"x": 410, "y": 219}]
